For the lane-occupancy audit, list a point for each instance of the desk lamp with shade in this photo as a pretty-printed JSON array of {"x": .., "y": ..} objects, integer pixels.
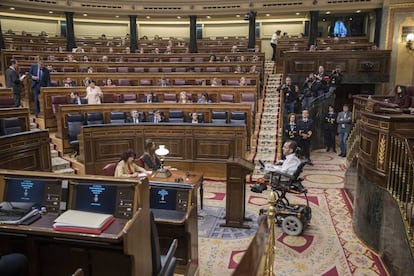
[{"x": 162, "y": 172}]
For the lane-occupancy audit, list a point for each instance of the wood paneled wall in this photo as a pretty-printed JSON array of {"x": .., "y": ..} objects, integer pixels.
[
  {"x": 200, "y": 147},
  {"x": 29, "y": 150}
]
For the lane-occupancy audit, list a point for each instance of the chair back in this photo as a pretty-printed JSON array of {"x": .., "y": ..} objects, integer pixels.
[
  {"x": 6, "y": 102},
  {"x": 176, "y": 116},
  {"x": 95, "y": 118},
  {"x": 170, "y": 98},
  {"x": 56, "y": 101},
  {"x": 124, "y": 82},
  {"x": 75, "y": 122},
  {"x": 299, "y": 169},
  {"x": 109, "y": 169},
  {"x": 10, "y": 126},
  {"x": 219, "y": 117},
  {"x": 238, "y": 118},
  {"x": 226, "y": 98},
  {"x": 130, "y": 98},
  {"x": 117, "y": 117}
]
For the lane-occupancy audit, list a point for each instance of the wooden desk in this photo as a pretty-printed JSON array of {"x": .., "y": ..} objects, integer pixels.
[
  {"x": 122, "y": 249},
  {"x": 185, "y": 230},
  {"x": 194, "y": 179}
]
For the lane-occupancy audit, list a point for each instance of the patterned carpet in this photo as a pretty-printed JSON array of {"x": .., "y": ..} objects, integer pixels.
[{"x": 327, "y": 246}]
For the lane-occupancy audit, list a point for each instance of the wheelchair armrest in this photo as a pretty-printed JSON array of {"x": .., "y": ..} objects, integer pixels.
[{"x": 291, "y": 177}]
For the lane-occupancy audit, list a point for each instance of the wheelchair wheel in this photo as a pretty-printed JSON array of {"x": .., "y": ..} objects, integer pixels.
[{"x": 292, "y": 226}]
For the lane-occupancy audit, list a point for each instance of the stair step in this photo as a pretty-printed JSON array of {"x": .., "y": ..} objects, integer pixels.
[
  {"x": 59, "y": 163},
  {"x": 65, "y": 171},
  {"x": 54, "y": 153}
]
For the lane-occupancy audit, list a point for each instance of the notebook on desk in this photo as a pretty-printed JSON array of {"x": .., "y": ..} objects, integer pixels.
[
  {"x": 83, "y": 222},
  {"x": 18, "y": 212}
]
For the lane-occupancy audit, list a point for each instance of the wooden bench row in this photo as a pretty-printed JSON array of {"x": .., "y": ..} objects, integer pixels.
[
  {"x": 124, "y": 49},
  {"x": 117, "y": 40},
  {"x": 51, "y": 97},
  {"x": 106, "y": 109},
  {"x": 134, "y": 57},
  {"x": 144, "y": 67}
]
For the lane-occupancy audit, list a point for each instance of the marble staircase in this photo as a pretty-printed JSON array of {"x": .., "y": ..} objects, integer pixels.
[{"x": 266, "y": 146}]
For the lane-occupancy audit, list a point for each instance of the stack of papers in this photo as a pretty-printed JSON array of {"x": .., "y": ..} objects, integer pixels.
[
  {"x": 83, "y": 222},
  {"x": 17, "y": 212}
]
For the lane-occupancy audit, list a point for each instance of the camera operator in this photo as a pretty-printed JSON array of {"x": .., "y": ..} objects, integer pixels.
[
  {"x": 323, "y": 79},
  {"x": 335, "y": 79},
  {"x": 290, "y": 94},
  {"x": 310, "y": 90}
]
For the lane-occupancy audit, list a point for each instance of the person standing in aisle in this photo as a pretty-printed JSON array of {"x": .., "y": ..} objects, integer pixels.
[
  {"x": 40, "y": 78},
  {"x": 330, "y": 128},
  {"x": 273, "y": 43},
  {"x": 14, "y": 82},
  {"x": 344, "y": 120},
  {"x": 305, "y": 130}
]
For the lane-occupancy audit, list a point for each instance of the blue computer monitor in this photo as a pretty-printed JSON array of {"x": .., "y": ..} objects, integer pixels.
[
  {"x": 95, "y": 198},
  {"x": 163, "y": 198},
  {"x": 26, "y": 190}
]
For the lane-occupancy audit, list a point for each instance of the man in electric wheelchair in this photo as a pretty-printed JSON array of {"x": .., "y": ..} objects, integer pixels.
[
  {"x": 284, "y": 178},
  {"x": 281, "y": 171}
]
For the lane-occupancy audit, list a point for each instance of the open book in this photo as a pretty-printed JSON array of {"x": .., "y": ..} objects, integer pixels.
[
  {"x": 83, "y": 222},
  {"x": 17, "y": 212}
]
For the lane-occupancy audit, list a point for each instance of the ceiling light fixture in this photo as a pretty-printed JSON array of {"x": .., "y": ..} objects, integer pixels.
[
  {"x": 85, "y": 14},
  {"x": 237, "y": 15},
  {"x": 298, "y": 13},
  {"x": 208, "y": 16},
  {"x": 178, "y": 17},
  {"x": 116, "y": 16},
  {"x": 358, "y": 11},
  {"x": 267, "y": 14},
  {"x": 50, "y": 12},
  {"x": 12, "y": 9},
  {"x": 328, "y": 12},
  {"x": 148, "y": 17}
]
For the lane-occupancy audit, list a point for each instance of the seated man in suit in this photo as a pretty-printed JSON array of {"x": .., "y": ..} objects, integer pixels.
[
  {"x": 134, "y": 117},
  {"x": 76, "y": 99},
  {"x": 150, "y": 98},
  {"x": 156, "y": 117}
]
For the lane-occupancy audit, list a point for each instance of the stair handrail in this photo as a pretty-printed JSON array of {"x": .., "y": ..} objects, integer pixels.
[{"x": 400, "y": 182}]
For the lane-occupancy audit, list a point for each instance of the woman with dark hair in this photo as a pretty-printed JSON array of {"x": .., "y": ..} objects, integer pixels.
[
  {"x": 126, "y": 167},
  {"x": 203, "y": 98},
  {"x": 290, "y": 129},
  {"x": 401, "y": 97},
  {"x": 151, "y": 160}
]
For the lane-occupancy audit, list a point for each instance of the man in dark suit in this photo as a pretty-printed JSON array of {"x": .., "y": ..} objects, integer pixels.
[
  {"x": 14, "y": 82},
  {"x": 40, "y": 78},
  {"x": 150, "y": 98},
  {"x": 344, "y": 127},
  {"x": 135, "y": 117},
  {"x": 76, "y": 99},
  {"x": 305, "y": 130}
]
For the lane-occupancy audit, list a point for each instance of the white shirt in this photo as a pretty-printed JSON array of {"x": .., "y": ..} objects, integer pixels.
[
  {"x": 274, "y": 39},
  {"x": 289, "y": 166}
]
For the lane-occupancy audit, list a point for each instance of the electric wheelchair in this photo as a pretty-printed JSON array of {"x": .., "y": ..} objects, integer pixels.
[{"x": 292, "y": 218}]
